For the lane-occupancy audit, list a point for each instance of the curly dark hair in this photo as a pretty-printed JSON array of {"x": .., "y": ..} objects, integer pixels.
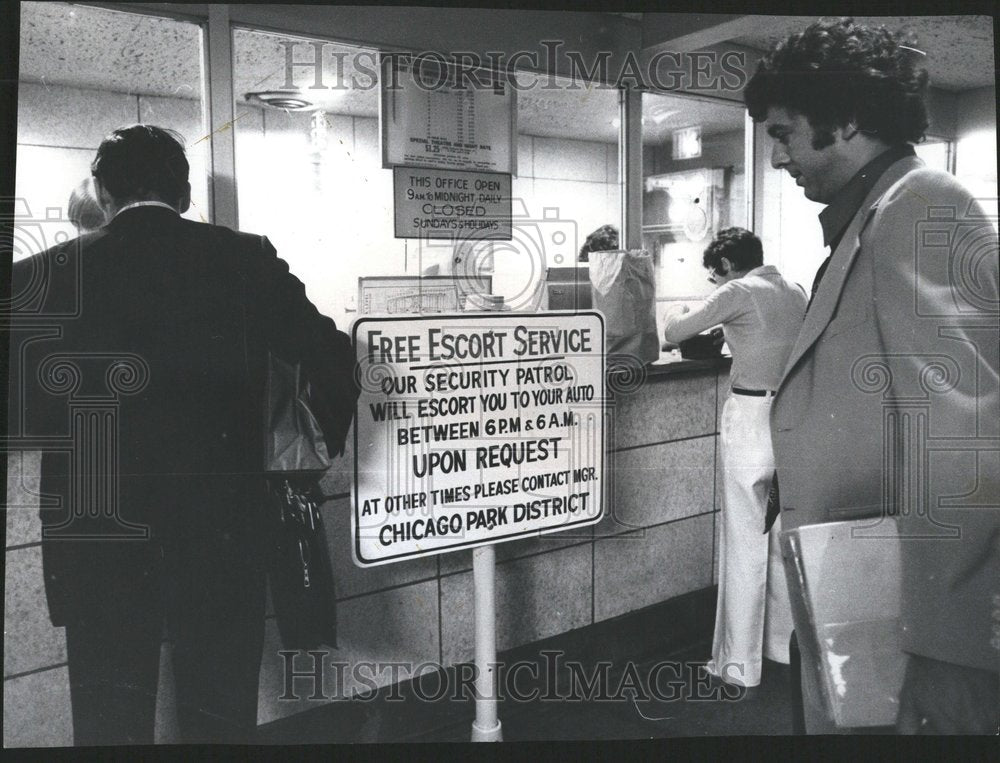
[
  {"x": 738, "y": 245},
  {"x": 604, "y": 239},
  {"x": 837, "y": 72},
  {"x": 139, "y": 161}
]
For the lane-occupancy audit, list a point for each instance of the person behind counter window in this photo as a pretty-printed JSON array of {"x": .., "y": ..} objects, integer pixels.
[
  {"x": 165, "y": 523},
  {"x": 761, "y": 313},
  {"x": 604, "y": 239},
  {"x": 909, "y": 294}
]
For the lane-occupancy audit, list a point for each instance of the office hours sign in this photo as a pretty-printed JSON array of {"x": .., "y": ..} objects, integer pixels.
[
  {"x": 451, "y": 205},
  {"x": 476, "y": 429}
]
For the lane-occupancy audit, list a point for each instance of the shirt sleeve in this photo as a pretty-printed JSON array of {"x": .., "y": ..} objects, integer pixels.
[{"x": 724, "y": 304}]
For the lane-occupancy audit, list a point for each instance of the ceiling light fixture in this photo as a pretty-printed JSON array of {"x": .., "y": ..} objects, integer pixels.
[
  {"x": 663, "y": 115},
  {"x": 287, "y": 100}
]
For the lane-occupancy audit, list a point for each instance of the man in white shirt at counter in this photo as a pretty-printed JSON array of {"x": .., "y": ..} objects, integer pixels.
[{"x": 761, "y": 313}]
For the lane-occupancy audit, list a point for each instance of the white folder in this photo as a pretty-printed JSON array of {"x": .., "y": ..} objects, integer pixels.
[{"x": 844, "y": 588}]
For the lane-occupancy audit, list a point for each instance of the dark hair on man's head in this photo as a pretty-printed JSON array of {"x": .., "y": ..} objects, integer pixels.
[
  {"x": 604, "y": 239},
  {"x": 140, "y": 162},
  {"x": 738, "y": 245},
  {"x": 837, "y": 72}
]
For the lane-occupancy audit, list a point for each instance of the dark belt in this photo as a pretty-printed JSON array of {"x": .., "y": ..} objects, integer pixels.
[{"x": 753, "y": 392}]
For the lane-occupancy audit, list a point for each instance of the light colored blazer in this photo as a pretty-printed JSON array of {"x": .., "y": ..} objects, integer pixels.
[{"x": 891, "y": 402}]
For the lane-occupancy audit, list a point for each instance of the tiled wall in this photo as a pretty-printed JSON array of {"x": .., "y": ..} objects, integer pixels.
[{"x": 59, "y": 129}]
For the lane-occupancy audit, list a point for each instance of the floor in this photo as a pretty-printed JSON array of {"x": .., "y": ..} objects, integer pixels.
[{"x": 610, "y": 701}]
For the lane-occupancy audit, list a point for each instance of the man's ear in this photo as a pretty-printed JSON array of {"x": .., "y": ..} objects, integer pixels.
[
  {"x": 728, "y": 265},
  {"x": 184, "y": 202},
  {"x": 849, "y": 130}
]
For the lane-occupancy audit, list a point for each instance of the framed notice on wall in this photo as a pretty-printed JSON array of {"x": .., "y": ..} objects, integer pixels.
[
  {"x": 434, "y": 114},
  {"x": 470, "y": 206}
]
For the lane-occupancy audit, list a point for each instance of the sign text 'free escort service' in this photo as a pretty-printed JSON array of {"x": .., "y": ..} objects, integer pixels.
[{"x": 476, "y": 429}]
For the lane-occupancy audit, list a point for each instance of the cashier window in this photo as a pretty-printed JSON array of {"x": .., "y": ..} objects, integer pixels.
[{"x": 686, "y": 201}]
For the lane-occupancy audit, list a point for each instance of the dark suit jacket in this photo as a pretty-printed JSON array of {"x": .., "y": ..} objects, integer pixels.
[
  {"x": 890, "y": 402},
  {"x": 150, "y": 376}
]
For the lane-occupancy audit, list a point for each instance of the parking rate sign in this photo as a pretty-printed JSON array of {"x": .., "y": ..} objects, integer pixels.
[{"x": 476, "y": 429}]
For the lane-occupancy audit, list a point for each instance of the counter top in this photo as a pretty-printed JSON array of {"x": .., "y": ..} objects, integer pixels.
[{"x": 673, "y": 365}]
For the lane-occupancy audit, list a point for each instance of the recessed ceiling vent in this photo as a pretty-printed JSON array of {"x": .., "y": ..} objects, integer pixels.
[{"x": 286, "y": 100}]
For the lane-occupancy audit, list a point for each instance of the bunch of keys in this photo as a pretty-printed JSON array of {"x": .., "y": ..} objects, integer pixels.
[{"x": 303, "y": 511}]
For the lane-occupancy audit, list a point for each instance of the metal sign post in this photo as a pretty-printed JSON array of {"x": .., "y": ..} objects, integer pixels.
[{"x": 486, "y": 727}]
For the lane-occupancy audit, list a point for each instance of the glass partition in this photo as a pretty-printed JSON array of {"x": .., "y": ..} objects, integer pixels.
[
  {"x": 976, "y": 168},
  {"x": 567, "y": 185},
  {"x": 71, "y": 95},
  {"x": 308, "y": 166},
  {"x": 309, "y": 174},
  {"x": 936, "y": 153},
  {"x": 694, "y": 185}
]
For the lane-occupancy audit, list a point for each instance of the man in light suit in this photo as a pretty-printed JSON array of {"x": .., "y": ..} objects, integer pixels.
[
  {"x": 889, "y": 401},
  {"x": 151, "y": 357}
]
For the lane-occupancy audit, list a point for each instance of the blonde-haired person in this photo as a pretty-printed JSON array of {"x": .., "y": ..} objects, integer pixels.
[{"x": 84, "y": 210}]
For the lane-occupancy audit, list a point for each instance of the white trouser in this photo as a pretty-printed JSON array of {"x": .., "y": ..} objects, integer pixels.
[{"x": 752, "y": 616}]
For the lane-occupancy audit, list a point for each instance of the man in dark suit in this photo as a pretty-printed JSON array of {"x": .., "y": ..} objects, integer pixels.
[
  {"x": 897, "y": 357},
  {"x": 153, "y": 367}
]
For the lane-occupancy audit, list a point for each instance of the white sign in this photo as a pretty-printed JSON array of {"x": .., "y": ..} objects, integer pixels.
[
  {"x": 476, "y": 429},
  {"x": 444, "y": 204},
  {"x": 432, "y": 117},
  {"x": 687, "y": 143}
]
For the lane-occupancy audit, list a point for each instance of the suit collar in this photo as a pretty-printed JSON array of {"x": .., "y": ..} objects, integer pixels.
[
  {"x": 137, "y": 204},
  {"x": 835, "y": 218},
  {"x": 828, "y": 296},
  {"x": 146, "y": 214}
]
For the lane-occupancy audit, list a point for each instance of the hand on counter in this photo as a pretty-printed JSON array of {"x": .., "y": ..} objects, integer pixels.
[
  {"x": 675, "y": 310},
  {"x": 672, "y": 313}
]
